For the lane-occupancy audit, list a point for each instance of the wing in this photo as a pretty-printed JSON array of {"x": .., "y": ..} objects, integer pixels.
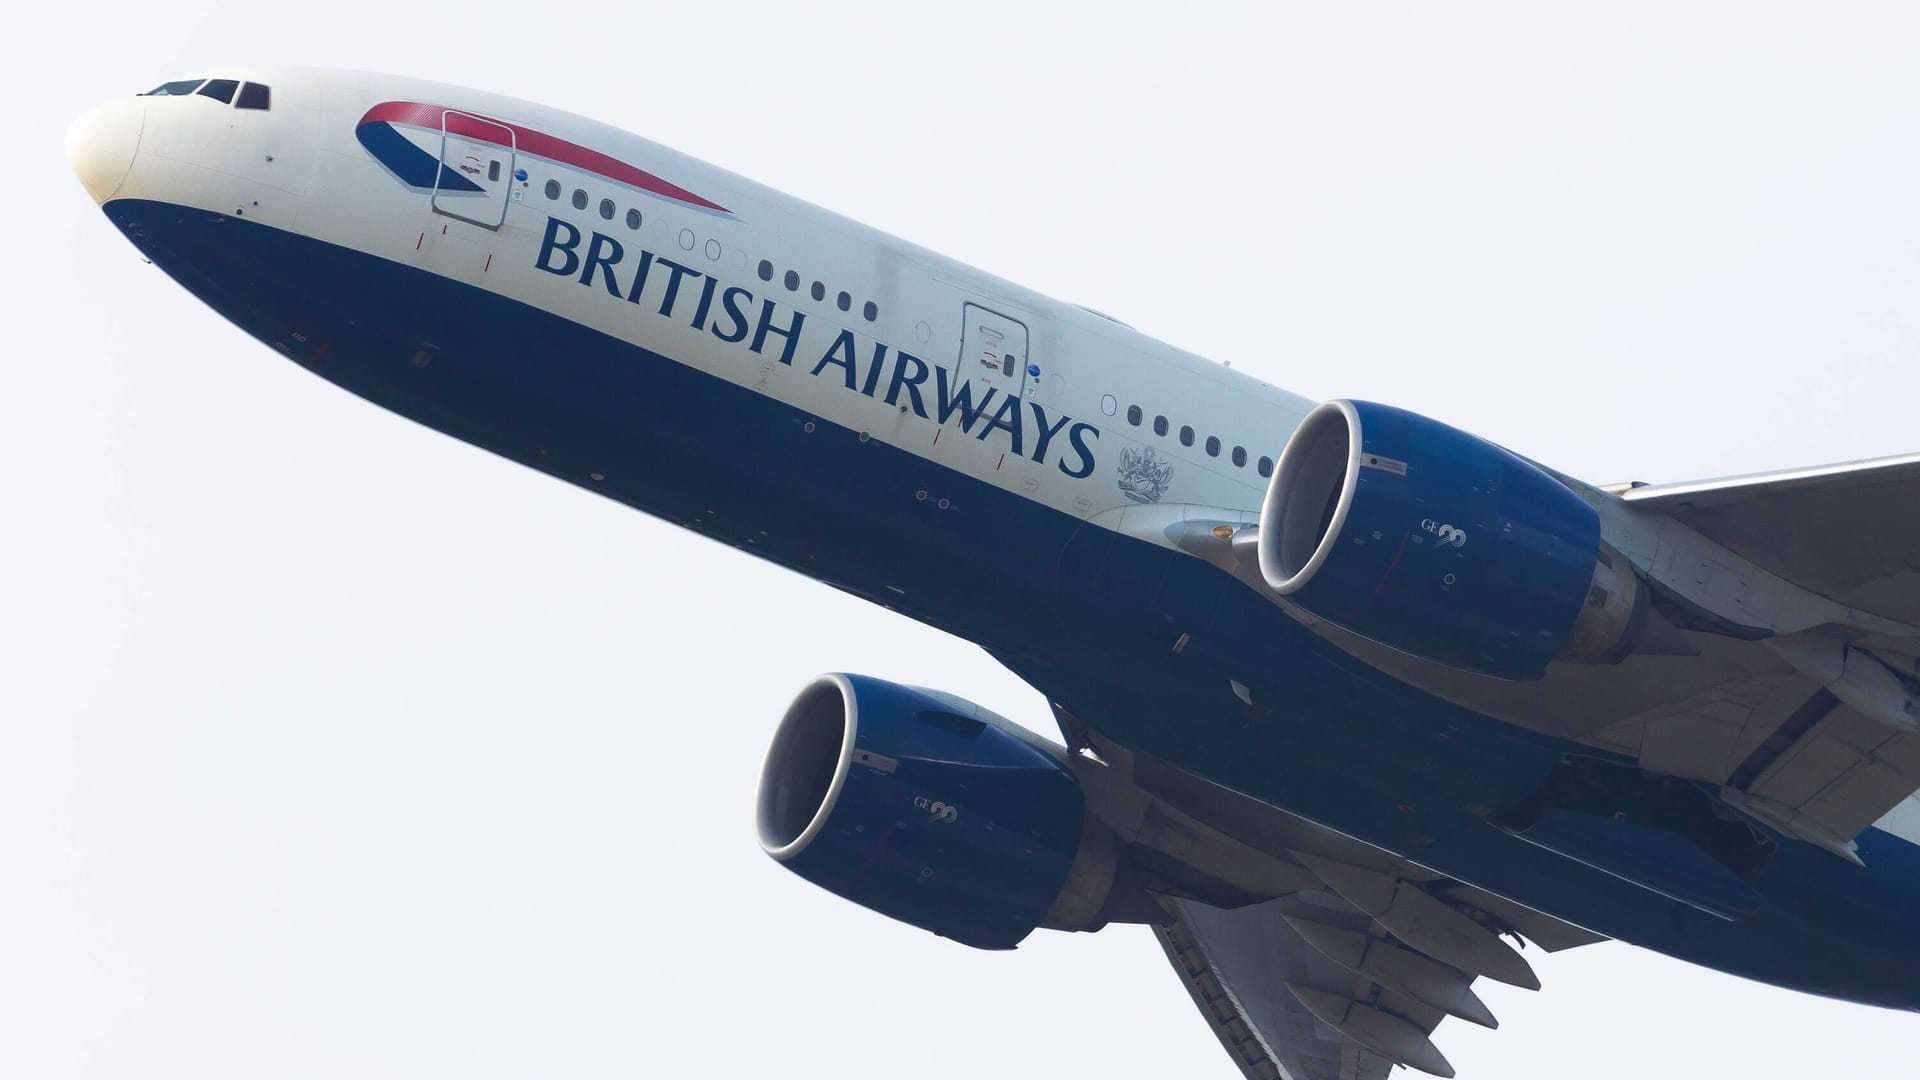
[
  {"x": 1828, "y": 743},
  {"x": 1312, "y": 956},
  {"x": 1850, "y": 532},
  {"x": 1791, "y": 678}
]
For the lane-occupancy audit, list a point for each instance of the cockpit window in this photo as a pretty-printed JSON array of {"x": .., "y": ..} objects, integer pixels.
[
  {"x": 221, "y": 90},
  {"x": 180, "y": 88},
  {"x": 229, "y": 91}
]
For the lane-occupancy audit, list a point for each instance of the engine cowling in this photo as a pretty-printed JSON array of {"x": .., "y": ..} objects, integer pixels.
[
  {"x": 1442, "y": 545},
  {"x": 927, "y": 808}
]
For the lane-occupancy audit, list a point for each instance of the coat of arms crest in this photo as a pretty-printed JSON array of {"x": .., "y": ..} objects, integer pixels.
[{"x": 1144, "y": 475}]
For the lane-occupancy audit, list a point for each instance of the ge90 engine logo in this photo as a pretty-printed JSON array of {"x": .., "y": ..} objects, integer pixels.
[{"x": 937, "y": 810}]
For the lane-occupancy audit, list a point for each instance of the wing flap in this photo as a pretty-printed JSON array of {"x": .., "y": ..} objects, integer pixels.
[
  {"x": 1310, "y": 987},
  {"x": 1245, "y": 1035},
  {"x": 1846, "y": 773},
  {"x": 1239, "y": 965},
  {"x": 1783, "y": 748},
  {"x": 1543, "y": 930}
]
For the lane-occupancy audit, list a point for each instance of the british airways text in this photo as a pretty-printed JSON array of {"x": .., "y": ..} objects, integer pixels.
[{"x": 865, "y": 367}]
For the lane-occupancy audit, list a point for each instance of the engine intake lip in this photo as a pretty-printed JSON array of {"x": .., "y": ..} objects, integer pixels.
[
  {"x": 807, "y": 765},
  {"x": 1296, "y": 531}
]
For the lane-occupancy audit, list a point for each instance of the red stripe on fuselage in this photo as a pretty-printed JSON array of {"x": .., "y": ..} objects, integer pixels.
[{"x": 485, "y": 129}]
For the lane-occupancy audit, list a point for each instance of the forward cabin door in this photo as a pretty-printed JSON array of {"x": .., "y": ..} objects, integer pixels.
[
  {"x": 993, "y": 353},
  {"x": 478, "y": 177}
]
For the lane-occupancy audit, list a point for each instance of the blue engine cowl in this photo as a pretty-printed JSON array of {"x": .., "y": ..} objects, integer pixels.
[
  {"x": 1442, "y": 545},
  {"x": 931, "y": 810}
]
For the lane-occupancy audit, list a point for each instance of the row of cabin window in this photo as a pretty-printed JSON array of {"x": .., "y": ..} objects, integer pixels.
[
  {"x": 606, "y": 205},
  {"x": 1160, "y": 426},
  {"x": 251, "y": 95},
  {"x": 869, "y": 310}
]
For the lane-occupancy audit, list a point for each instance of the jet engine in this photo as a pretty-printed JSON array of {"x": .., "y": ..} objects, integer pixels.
[
  {"x": 1444, "y": 546},
  {"x": 927, "y": 808}
]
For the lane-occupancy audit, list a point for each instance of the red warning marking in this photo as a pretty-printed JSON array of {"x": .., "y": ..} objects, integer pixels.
[
  {"x": 997, "y": 464},
  {"x": 936, "y": 435},
  {"x": 489, "y": 265},
  {"x": 422, "y": 240}
]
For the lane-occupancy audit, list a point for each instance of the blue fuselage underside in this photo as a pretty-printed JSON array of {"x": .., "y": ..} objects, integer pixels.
[{"x": 1086, "y": 615}]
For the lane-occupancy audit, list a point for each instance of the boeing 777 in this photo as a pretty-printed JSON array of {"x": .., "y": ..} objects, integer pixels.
[{"x": 1349, "y": 699}]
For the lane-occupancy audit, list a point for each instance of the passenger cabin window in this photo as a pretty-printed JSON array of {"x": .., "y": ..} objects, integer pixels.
[
  {"x": 1239, "y": 457},
  {"x": 553, "y": 189},
  {"x": 633, "y": 219},
  {"x": 1133, "y": 415},
  {"x": 1159, "y": 425},
  {"x": 579, "y": 199},
  {"x": 1266, "y": 466},
  {"x": 220, "y": 90},
  {"x": 793, "y": 281},
  {"x": 179, "y": 88},
  {"x": 1213, "y": 446},
  {"x": 606, "y": 209},
  {"x": 1186, "y": 436},
  {"x": 254, "y": 95}
]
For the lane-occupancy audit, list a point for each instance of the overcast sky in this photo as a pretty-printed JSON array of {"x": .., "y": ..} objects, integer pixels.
[{"x": 332, "y": 747}]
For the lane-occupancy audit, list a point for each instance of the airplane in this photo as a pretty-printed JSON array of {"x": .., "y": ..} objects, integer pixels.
[{"x": 1352, "y": 703}]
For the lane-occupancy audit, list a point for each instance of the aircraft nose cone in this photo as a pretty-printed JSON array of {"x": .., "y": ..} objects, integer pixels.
[{"x": 101, "y": 144}]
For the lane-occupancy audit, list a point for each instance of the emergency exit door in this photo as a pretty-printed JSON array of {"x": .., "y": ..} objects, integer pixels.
[
  {"x": 477, "y": 175},
  {"x": 993, "y": 353}
]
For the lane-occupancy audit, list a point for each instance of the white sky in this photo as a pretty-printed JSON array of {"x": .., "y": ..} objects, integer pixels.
[{"x": 332, "y": 747}]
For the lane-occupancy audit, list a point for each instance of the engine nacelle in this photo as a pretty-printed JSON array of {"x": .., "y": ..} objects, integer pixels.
[
  {"x": 1442, "y": 545},
  {"x": 929, "y": 809}
]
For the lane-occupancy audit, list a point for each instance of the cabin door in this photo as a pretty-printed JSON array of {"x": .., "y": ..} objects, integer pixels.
[
  {"x": 993, "y": 353},
  {"x": 478, "y": 178}
]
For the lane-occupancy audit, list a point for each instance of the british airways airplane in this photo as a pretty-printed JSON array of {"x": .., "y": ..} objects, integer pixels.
[{"x": 1352, "y": 702}]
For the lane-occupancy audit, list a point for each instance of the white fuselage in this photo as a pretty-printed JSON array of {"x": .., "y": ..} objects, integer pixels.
[{"x": 299, "y": 168}]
